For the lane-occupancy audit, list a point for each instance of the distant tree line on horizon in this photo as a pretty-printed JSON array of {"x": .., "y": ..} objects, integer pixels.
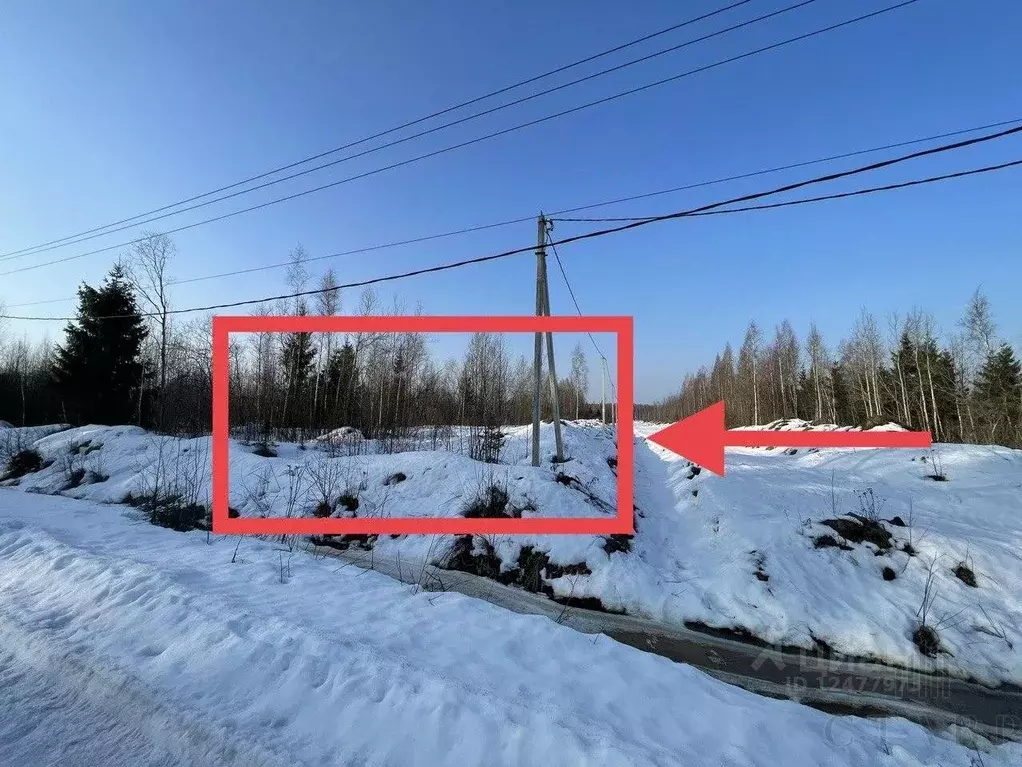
[
  {"x": 966, "y": 387},
  {"x": 144, "y": 368}
]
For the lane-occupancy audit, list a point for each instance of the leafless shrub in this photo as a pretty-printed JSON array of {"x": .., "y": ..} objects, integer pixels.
[
  {"x": 937, "y": 465},
  {"x": 97, "y": 467},
  {"x": 12, "y": 442},
  {"x": 285, "y": 566},
  {"x": 925, "y": 636},
  {"x": 992, "y": 629},
  {"x": 870, "y": 506},
  {"x": 325, "y": 478},
  {"x": 485, "y": 443},
  {"x": 929, "y": 593},
  {"x": 70, "y": 463},
  {"x": 259, "y": 485},
  {"x": 172, "y": 480},
  {"x": 296, "y": 495}
]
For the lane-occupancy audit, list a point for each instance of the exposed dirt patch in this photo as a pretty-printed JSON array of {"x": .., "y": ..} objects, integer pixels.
[
  {"x": 587, "y": 603},
  {"x": 828, "y": 542},
  {"x": 348, "y": 502},
  {"x": 20, "y": 464},
  {"x": 856, "y": 529},
  {"x": 345, "y": 542},
  {"x": 759, "y": 560},
  {"x": 937, "y": 477},
  {"x": 896, "y": 521},
  {"x": 263, "y": 450},
  {"x": 492, "y": 504},
  {"x": 74, "y": 479},
  {"x": 464, "y": 557},
  {"x": 965, "y": 574},
  {"x": 618, "y": 542},
  {"x": 889, "y": 574},
  {"x": 559, "y": 571},
  {"x": 927, "y": 641},
  {"x": 532, "y": 572},
  {"x": 173, "y": 513}
]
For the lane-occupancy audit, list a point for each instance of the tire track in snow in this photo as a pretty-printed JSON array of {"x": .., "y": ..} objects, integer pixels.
[
  {"x": 47, "y": 619},
  {"x": 66, "y": 700}
]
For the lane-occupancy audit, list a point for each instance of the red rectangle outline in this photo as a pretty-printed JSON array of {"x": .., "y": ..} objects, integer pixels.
[{"x": 622, "y": 522}]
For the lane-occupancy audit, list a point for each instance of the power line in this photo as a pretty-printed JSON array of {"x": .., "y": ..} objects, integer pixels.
[
  {"x": 790, "y": 166},
  {"x": 795, "y": 185},
  {"x": 571, "y": 292},
  {"x": 645, "y": 38},
  {"x": 702, "y": 210},
  {"x": 822, "y": 198},
  {"x": 479, "y": 139},
  {"x": 523, "y": 219},
  {"x": 75, "y": 240}
]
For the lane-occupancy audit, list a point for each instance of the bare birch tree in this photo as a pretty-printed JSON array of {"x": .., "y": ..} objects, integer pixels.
[{"x": 147, "y": 266}]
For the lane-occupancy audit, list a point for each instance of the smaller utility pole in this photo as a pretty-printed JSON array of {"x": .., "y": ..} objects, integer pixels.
[{"x": 603, "y": 390}]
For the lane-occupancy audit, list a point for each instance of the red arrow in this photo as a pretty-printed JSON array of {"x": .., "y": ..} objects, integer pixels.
[{"x": 702, "y": 438}]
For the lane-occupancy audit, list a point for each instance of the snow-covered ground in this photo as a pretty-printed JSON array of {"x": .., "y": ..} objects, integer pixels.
[
  {"x": 126, "y": 643},
  {"x": 747, "y": 552},
  {"x": 765, "y": 517}
]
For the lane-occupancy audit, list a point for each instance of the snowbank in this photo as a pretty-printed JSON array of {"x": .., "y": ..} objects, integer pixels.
[
  {"x": 121, "y": 642},
  {"x": 769, "y": 550}
]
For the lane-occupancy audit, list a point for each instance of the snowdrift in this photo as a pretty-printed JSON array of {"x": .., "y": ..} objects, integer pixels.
[
  {"x": 125, "y": 643},
  {"x": 902, "y": 556}
]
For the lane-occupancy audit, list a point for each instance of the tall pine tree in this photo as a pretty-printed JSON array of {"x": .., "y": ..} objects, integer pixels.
[{"x": 98, "y": 371}]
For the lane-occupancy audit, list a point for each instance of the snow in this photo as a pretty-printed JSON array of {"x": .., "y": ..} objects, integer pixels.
[
  {"x": 733, "y": 553},
  {"x": 766, "y": 512},
  {"x": 121, "y": 642}
]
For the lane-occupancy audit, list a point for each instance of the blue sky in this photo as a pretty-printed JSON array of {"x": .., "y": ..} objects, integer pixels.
[{"x": 113, "y": 108}]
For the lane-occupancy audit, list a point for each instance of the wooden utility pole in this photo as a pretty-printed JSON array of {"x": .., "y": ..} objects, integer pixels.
[
  {"x": 543, "y": 308},
  {"x": 537, "y": 362}
]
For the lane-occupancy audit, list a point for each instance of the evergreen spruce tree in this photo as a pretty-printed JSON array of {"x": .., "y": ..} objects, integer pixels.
[
  {"x": 844, "y": 404},
  {"x": 98, "y": 371},
  {"x": 297, "y": 355},
  {"x": 999, "y": 389}
]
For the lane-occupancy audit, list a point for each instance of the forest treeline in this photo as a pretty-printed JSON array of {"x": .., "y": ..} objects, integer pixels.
[
  {"x": 963, "y": 387},
  {"x": 147, "y": 366},
  {"x": 144, "y": 367}
]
